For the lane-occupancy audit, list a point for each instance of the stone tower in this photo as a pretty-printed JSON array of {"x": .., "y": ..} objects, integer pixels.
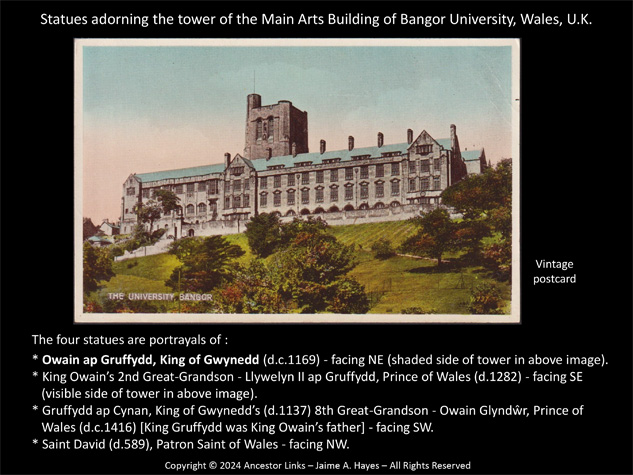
[{"x": 271, "y": 131}]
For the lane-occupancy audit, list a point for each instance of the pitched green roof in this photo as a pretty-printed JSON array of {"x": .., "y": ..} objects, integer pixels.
[
  {"x": 468, "y": 155},
  {"x": 180, "y": 173},
  {"x": 445, "y": 143},
  {"x": 261, "y": 164}
]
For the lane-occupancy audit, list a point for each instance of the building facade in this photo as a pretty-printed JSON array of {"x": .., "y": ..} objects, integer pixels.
[{"x": 278, "y": 174}]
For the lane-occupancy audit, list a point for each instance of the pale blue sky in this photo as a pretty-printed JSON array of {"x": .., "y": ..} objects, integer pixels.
[{"x": 198, "y": 94}]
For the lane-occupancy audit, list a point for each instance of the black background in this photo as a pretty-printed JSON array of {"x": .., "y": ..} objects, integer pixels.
[{"x": 575, "y": 205}]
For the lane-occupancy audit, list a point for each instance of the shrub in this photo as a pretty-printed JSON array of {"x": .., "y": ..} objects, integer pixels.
[
  {"x": 486, "y": 299},
  {"x": 383, "y": 249}
]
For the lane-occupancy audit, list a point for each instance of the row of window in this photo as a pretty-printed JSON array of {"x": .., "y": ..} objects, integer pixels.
[
  {"x": 319, "y": 194},
  {"x": 425, "y": 184},
  {"x": 237, "y": 186},
  {"x": 425, "y": 167},
  {"x": 237, "y": 201},
  {"x": 212, "y": 186}
]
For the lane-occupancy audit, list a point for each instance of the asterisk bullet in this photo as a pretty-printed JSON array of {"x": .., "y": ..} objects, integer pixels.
[
  {"x": 35, "y": 441},
  {"x": 34, "y": 373},
  {"x": 35, "y": 408},
  {"x": 34, "y": 357}
]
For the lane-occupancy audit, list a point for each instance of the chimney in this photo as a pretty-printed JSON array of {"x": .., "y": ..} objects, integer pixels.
[
  {"x": 350, "y": 143},
  {"x": 227, "y": 159},
  {"x": 381, "y": 139},
  {"x": 409, "y": 136},
  {"x": 270, "y": 153},
  {"x": 453, "y": 137},
  {"x": 322, "y": 147},
  {"x": 294, "y": 149}
]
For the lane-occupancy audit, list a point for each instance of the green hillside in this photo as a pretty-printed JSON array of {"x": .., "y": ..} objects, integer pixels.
[{"x": 393, "y": 285}]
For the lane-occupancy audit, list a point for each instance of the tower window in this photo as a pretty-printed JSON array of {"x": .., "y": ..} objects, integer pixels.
[
  {"x": 271, "y": 126},
  {"x": 259, "y": 129}
]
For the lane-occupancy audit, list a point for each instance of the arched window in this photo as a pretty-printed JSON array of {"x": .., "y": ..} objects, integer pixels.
[
  {"x": 259, "y": 129},
  {"x": 190, "y": 209},
  {"x": 202, "y": 208},
  {"x": 271, "y": 128}
]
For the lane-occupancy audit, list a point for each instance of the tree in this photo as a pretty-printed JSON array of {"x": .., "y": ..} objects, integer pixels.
[
  {"x": 348, "y": 297},
  {"x": 97, "y": 266},
  {"x": 89, "y": 229},
  {"x": 312, "y": 225},
  {"x": 264, "y": 234},
  {"x": 168, "y": 200},
  {"x": 485, "y": 202},
  {"x": 206, "y": 263},
  {"x": 164, "y": 202},
  {"x": 147, "y": 213},
  {"x": 479, "y": 195},
  {"x": 256, "y": 288},
  {"x": 315, "y": 265},
  {"x": 436, "y": 235}
]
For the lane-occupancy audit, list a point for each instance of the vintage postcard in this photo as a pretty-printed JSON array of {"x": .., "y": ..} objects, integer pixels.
[{"x": 297, "y": 181}]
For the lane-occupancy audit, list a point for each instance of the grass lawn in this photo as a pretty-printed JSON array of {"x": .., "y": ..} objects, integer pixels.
[
  {"x": 393, "y": 284},
  {"x": 402, "y": 282}
]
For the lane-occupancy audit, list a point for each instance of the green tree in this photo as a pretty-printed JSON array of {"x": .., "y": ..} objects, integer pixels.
[
  {"x": 435, "y": 237},
  {"x": 147, "y": 212},
  {"x": 168, "y": 200},
  {"x": 264, "y": 234},
  {"x": 163, "y": 202},
  {"x": 97, "y": 266},
  {"x": 312, "y": 225},
  {"x": 348, "y": 296},
  {"x": 206, "y": 263},
  {"x": 485, "y": 201},
  {"x": 481, "y": 195},
  {"x": 315, "y": 265},
  {"x": 383, "y": 249},
  {"x": 256, "y": 288}
]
